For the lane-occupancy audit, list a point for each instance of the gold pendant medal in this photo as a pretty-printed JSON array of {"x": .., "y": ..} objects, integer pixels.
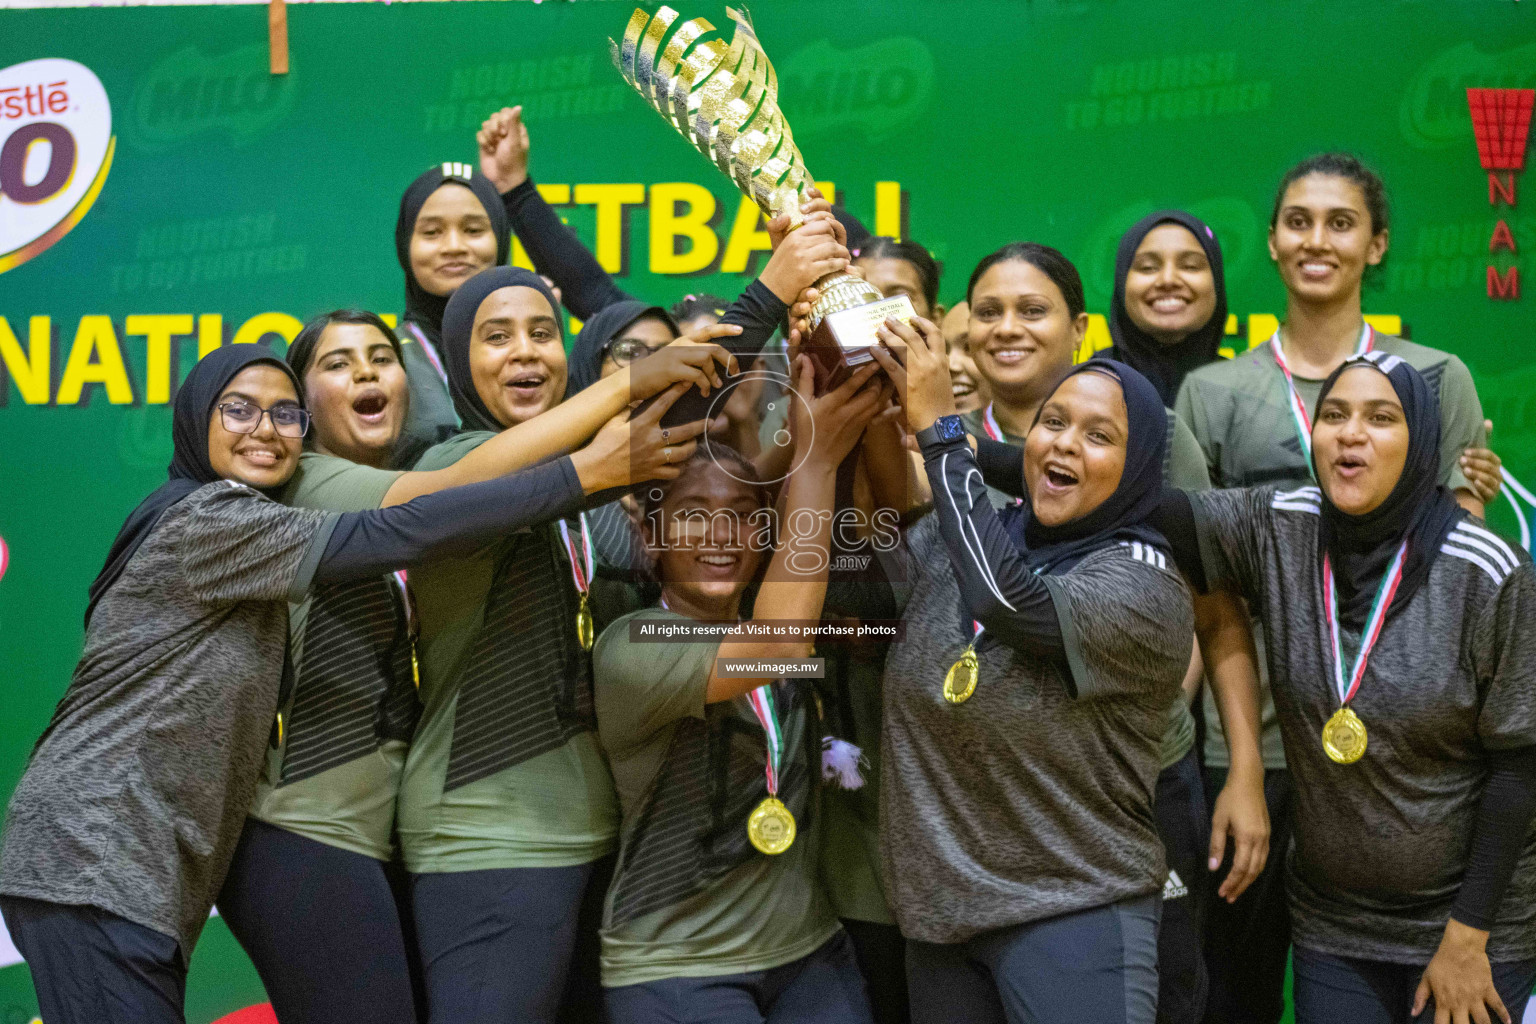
[
  {"x": 1344, "y": 737},
  {"x": 960, "y": 681},
  {"x": 771, "y": 828},
  {"x": 585, "y": 633}
]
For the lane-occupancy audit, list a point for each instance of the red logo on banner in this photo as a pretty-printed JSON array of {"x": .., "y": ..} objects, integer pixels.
[{"x": 1501, "y": 120}]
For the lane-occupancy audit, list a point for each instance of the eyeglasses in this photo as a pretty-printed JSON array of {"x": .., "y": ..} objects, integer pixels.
[
  {"x": 628, "y": 350},
  {"x": 245, "y": 418}
]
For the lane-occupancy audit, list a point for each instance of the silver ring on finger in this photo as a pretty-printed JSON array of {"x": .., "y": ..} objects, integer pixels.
[{"x": 666, "y": 455}]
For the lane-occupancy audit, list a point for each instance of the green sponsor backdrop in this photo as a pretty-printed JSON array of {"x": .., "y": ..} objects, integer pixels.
[{"x": 234, "y": 194}]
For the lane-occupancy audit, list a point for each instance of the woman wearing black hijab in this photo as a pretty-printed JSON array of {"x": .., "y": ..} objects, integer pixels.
[
  {"x": 122, "y": 828},
  {"x": 1168, "y": 316},
  {"x": 506, "y": 806},
  {"x": 1026, "y": 705},
  {"x": 451, "y": 226},
  {"x": 1401, "y": 649},
  {"x": 1169, "y": 310}
]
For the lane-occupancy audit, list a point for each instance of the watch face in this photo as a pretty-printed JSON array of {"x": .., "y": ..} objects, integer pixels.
[{"x": 950, "y": 427}]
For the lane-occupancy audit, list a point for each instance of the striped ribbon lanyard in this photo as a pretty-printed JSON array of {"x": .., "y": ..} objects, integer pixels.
[
  {"x": 428, "y": 349},
  {"x": 995, "y": 432},
  {"x": 412, "y": 624},
  {"x": 582, "y": 570},
  {"x": 1384, "y": 591},
  {"x": 989, "y": 424},
  {"x": 1300, "y": 418},
  {"x": 765, "y": 707}
]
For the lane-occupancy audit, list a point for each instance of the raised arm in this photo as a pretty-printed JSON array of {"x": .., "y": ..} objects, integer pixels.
[
  {"x": 1002, "y": 466},
  {"x": 795, "y": 584},
  {"x": 997, "y": 586},
  {"x": 573, "y": 421},
  {"x": 585, "y": 287},
  {"x": 803, "y": 257},
  {"x": 459, "y": 520}
]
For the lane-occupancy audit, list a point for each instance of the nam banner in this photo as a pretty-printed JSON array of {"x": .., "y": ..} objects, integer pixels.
[{"x": 162, "y": 194}]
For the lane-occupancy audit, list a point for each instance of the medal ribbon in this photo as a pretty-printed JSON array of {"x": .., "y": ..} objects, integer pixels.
[
  {"x": 581, "y": 568},
  {"x": 428, "y": 349},
  {"x": 412, "y": 628},
  {"x": 1384, "y": 591},
  {"x": 763, "y": 706},
  {"x": 1299, "y": 416},
  {"x": 989, "y": 424},
  {"x": 405, "y": 599}
]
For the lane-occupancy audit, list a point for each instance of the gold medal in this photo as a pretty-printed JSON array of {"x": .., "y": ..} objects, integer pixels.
[
  {"x": 584, "y": 629},
  {"x": 415, "y": 666},
  {"x": 771, "y": 828},
  {"x": 1344, "y": 737},
  {"x": 960, "y": 681}
]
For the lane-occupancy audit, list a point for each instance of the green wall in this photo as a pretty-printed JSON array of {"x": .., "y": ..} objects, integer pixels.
[{"x": 234, "y": 194}]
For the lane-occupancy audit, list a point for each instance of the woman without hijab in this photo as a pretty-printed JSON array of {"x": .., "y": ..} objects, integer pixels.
[
  {"x": 123, "y": 826},
  {"x": 1397, "y": 634}
]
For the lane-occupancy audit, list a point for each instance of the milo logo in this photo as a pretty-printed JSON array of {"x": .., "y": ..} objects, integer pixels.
[
  {"x": 1434, "y": 110},
  {"x": 56, "y": 148},
  {"x": 878, "y": 88},
  {"x": 189, "y": 93}
]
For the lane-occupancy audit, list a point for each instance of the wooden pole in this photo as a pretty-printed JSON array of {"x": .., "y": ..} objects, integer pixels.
[{"x": 277, "y": 36}]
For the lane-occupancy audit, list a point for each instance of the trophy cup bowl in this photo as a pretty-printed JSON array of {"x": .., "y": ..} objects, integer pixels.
[
  {"x": 842, "y": 326},
  {"x": 725, "y": 101}
]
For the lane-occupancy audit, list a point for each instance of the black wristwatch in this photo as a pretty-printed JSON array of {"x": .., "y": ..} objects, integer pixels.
[{"x": 944, "y": 430}]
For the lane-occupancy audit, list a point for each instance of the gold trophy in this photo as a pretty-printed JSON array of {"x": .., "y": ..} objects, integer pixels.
[{"x": 725, "y": 101}]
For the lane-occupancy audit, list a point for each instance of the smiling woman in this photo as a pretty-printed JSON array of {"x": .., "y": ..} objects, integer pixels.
[
  {"x": 1418, "y": 618},
  {"x": 352, "y": 371},
  {"x": 710, "y": 917},
  {"x": 327, "y": 798},
  {"x": 1169, "y": 310},
  {"x": 452, "y": 225},
  {"x": 516, "y": 356},
  {"x": 129, "y": 813},
  {"x": 1252, "y": 418},
  {"x": 1065, "y": 635},
  {"x": 1028, "y": 317}
]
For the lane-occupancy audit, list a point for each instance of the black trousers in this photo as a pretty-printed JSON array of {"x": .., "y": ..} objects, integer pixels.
[
  {"x": 322, "y": 927},
  {"x": 1247, "y": 942},
  {"x": 1097, "y": 965},
  {"x": 882, "y": 957},
  {"x": 1334, "y": 988},
  {"x": 498, "y": 945},
  {"x": 92, "y": 967},
  {"x": 1184, "y": 825},
  {"x": 822, "y": 987}
]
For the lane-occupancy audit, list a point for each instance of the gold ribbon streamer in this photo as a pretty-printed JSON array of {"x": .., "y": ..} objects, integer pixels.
[{"x": 724, "y": 101}]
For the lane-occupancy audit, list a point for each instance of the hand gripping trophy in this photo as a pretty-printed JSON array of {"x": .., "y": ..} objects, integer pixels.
[{"x": 725, "y": 100}]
